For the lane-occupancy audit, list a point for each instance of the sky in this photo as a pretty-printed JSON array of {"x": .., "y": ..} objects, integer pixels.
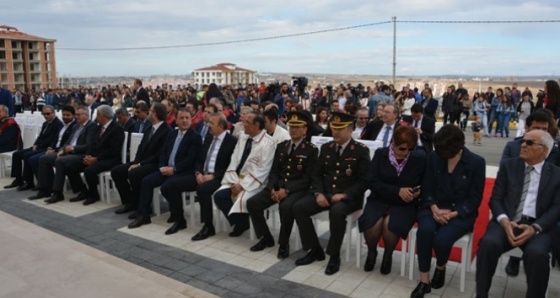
[{"x": 422, "y": 49}]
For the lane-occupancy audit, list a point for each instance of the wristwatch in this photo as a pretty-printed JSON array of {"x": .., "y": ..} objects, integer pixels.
[{"x": 537, "y": 228}]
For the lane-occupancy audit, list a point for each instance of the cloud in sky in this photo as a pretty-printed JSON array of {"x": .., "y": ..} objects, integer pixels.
[{"x": 422, "y": 49}]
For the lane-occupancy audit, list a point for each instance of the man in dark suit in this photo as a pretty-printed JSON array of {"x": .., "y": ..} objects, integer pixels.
[
  {"x": 83, "y": 136},
  {"x": 202, "y": 126},
  {"x": 383, "y": 130},
  {"x": 102, "y": 156},
  {"x": 424, "y": 126},
  {"x": 68, "y": 121},
  {"x": 525, "y": 203},
  {"x": 141, "y": 93},
  {"x": 141, "y": 111},
  {"x": 429, "y": 103},
  {"x": 49, "y": 132},
  {"x": 336, "y": 186},
  {"x": 91, "y": 105},
  {"x": 176, "y": 162},
  {"x": 537, "y": 120},
  {"x": 128, "y": 177},
  {"x": 209, "y": 170},
  {"x": 127, "y": 123},
  {"x": 290, "y": 178}
]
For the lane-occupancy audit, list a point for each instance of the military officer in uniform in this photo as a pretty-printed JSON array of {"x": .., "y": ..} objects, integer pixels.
[
  {"x": 337, "y": 185},
  {"x": 289, "y": 180}
]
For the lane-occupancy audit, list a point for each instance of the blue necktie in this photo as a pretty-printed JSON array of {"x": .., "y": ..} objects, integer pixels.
[
  {"x": 386, "y": 136},
  {"x": 171, "y": 161},
  {"x": 141, "y": 127},
  {"x": 204, "y": 131}
]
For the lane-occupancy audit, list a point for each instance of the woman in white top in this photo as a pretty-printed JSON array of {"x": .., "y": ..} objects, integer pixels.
[
  {"x": 238, "y": 127},
  {"x": 407, "y": 105}
]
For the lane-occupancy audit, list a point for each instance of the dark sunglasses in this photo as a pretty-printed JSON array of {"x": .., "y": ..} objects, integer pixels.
[
  {"x": 530, "y": 142},
  {"x": 405, "y": 149}
]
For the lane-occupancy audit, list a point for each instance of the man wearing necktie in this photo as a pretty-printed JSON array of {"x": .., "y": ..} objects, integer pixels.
[
  {"x": 83, "y": 136},
  {"x": 105, "y": 153},
  {"x": 337, "y": 185},
  {"x": 290, "y": 178},
  {"x": 247, "y": 173},
  {"x": 141, "y": 111},
  {"x": 21, "y": 170},
  {"x": 382, "y": 130},
  {"x": 128, "y": 177},
  {"x": 176, "y": 162},
  {"x": 202, "y": 126},
  {"x": 210, "y": 167},
  {"x": 525, "y": 204},
  {"x": 425, "y": 127}
]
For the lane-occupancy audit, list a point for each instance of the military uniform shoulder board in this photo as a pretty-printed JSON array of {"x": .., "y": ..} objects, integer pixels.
[{"x": 363, "y": 145}]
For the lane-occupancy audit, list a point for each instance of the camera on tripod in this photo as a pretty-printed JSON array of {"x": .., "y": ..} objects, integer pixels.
[{"x": 301, "y": 83}]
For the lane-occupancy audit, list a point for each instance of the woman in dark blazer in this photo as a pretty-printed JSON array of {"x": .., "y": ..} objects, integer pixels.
[
  {"x": 393, "y": 178},
  {"x": 451, "y": 194}
]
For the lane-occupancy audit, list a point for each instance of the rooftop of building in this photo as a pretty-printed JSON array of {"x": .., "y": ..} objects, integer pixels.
[
  {"x": 9, "y": 32},
  {"x": 225, "y": 67}
]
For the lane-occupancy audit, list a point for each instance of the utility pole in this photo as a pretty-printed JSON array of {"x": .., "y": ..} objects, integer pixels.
[{"x": 394, "y": 50}]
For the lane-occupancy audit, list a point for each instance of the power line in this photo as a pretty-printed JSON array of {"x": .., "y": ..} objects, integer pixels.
[
  {"x": 480, "y": 22},
  {"x": 228, "y": 42},
  {"x": 298, "y": 34}
]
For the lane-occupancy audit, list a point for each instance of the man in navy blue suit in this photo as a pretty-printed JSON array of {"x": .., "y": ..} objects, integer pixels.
[{"x": 176, "y": 162}]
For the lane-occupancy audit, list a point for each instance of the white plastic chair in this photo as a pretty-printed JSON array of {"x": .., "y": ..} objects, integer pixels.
[
  {"x": 464, "y": 243},
  {"x": 135, "y": 139},
  {"x": 105, "y": 180}
]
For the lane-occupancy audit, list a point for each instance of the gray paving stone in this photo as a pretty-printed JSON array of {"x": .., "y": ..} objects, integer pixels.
[
  {"x": 180, "y": 277},
  {"x": 210, "y": 276},
  {"x": 173, "y": 264},
  {"x": 208, "y": 287},
  {"x": 229, "y": 282},
  {"x": 193, "y": 270}
]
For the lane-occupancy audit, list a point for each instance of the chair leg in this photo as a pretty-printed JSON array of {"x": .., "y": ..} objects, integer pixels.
[
  {"x": 404, "y": 250},
  {"x": 349, "y": 239},
  {"x": 411, "y": 254},
  {"x": 156, "y": 202},
  {"x": 358, "y": 249}
]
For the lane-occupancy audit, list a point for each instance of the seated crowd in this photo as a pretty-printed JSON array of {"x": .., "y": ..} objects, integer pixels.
[{"x": 417, "y": 175}]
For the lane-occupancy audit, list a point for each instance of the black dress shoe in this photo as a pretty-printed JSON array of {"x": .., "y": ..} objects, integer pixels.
[
  {"x": 133, "y": 215},
  {"x": 420, "y": 290},
  {"x": 25, "y": 186},
  {"x": 176, "y": 227},
  {"x": 283, "y": 251},
  {"x": 238, "y": 230},
  {"x": 41, "y": 194},
  {"x": 90, "y": 201},
  {"x": 56, "y": 197},
  {"x": 315, "y": 254},
  {"x": 438, "y": 280},
  {"x": 369, "y": 265},
  {"x": 139, "y": 221},
  {"x": 512, "y": 267},
  {"x": 14, "y": 183},
  {"x": 263, "y": 244},
  {"x": 124, "y": 209},
  {"x": 81, "y": 196},
  {"x": 333, "y": 266},
  {"x": 370, "y": 261},
  {"x": 207, "y": 231},
  {"x": 386, "y": 265},
  {"x": 171, "y": 219}
]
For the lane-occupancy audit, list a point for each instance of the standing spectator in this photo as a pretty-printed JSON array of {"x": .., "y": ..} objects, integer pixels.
[
  {"x": 18, "y": 102},
  {"x": 430, "y": 103},
  {"x": 448, "y": 105},
  {"x": 494, "y": 114},
  {"x": 466, "y": 109},
  {"x": 515, "y": 98},
  {"x": 505, "y": 109},
  {"x": 525, "y": 108},
  {"x": 480, "y": 107},
  {"x": 281, "y": 98},
  {"x": 551, "y": 101},
  {"x": 141, "y": 93}
]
